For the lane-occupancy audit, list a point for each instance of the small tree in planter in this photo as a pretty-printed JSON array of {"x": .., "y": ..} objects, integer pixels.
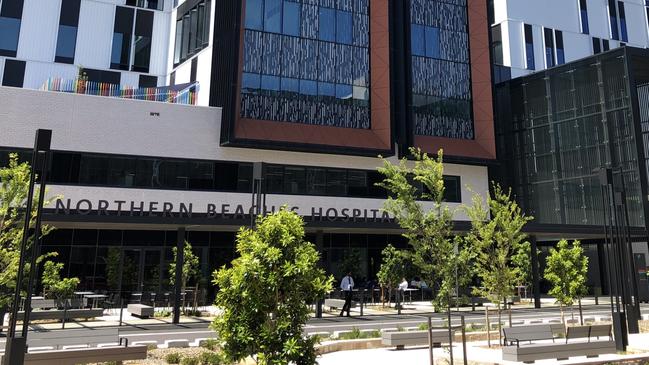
[
  {"x": 567, "y": 269},
  {"x": 393, "y": 268},
  {"x": 501, "y": 248},
  {"x": 190, "y": 268},
  {"x": 53, "y": 286},
  {"x": 265, "y": 295}
]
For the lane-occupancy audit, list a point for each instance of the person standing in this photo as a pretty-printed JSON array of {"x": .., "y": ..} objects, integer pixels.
[{"x": 347, "y": 285}]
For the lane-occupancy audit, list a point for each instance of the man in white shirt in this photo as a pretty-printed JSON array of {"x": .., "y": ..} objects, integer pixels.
[
  {"x": 403, "y": 285},
  {"x": 347, "y": 285}
]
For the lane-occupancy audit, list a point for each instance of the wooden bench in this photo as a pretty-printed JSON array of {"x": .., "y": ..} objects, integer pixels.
[
  {"x": 58, "y": 314},
  {"x": 336, "y": 303},
  {"x": 564, "y": 350},
  {"x": 415, "y": 338},
  {"x": 140, "y": 310},
  {"x": 83, "y": 356}
]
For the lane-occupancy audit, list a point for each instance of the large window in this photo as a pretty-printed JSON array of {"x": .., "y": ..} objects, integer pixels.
[
  {"x": 67, "y": 37},
  {"x": 192, "y": 31},
  {"x": 11, "y": 13},
  {"x": 622, "y": 15},
  {"x": 583, "y": 16},
  {"x": 307, "y": 63},
  {"x": 529, "y": 47},
  {"x": 148, "y": 4},
  {"x": 441, "y": 75},
  {"x": 125, "y": 41},
  {"x": 612, "y": 16},
  {"x": 496, "y": 42},
  {"x": 561, "y": 54},
  {"x": 550, "y": 61}
]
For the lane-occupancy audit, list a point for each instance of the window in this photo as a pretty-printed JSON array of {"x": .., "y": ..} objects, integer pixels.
[
  {"x": 306, "y": 62},
  {"x": 142, "y": 43},
  {"x": 439, "y": 68},
  {"x": 597, "y": 45},
  {"x": 193, "y": 24},
  {"x": 14, "y": 73},
  {"x": 11, "y": 13},
  {"x": 452, "y": 189},
  {"x": 622, "y": 15},
  {"x": 108, "y": 77},
  {"x": 561, "y": 56},
  {"x": 67, "y": 35},
  {"x": 497, "y": 44},
  {"x": 147, "y": 4},
  {"x": 529, "y": 47},
  {"x": 612, "y": 16},
  {"x": 121, "y": 52},
  {"x": 583, "y": 16},
  {"x": 549, "y": 48},
  {"x": 148, "y": 81}
]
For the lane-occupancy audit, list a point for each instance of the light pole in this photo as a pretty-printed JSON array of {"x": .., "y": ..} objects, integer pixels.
[
  {"x": 620, "y": 271},
  {"x": 17, "y": 344},
  {"x": 258, "y": 206}
]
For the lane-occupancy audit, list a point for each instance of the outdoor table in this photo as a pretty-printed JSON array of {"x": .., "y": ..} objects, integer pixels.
[
  {"x": 409, "y": 291},
  {"x": 83, "y": 293},
  {"x": 94, "y": 298}
]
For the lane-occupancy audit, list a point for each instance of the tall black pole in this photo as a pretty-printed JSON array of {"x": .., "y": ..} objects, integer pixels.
[
  {"x": 36, "y": 249},
  {"x": 180, "y": 253},
  {"x": 536, "y": 285},
  {"x": 17, "y": 345}
]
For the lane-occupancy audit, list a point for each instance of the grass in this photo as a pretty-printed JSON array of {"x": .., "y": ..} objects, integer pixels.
[
  {"x": 211, "y": 344},
  {"x": 356, "y": 334},
  {"x": 173, "y": 358}
]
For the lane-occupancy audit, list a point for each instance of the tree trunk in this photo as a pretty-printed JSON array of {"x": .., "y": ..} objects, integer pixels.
[
  {"x": 500, "y": 315},
  {"x": 3, "y": 312},
  {"x": 581, "y": 314},
  {"x": 561, "y": 310}
]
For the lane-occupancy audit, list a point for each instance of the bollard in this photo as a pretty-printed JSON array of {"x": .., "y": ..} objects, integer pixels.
[
  {"x": 121, "y": 310},
  {"x": 318, "y": 308},
  {"x": 450, "y": 336},
  {"x": 430, "y": 341},
  {"x": 362, "y": 300},
  {"x": 464, "y": 340},
  {"x": 65, "y": 313}
]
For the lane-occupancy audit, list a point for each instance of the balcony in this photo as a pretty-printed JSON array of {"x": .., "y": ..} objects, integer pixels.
[{"x": 185, "y": 94}]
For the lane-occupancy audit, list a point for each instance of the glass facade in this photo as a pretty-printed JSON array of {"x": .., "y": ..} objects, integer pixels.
[
  {"x": 307, "y": 62},
  {"x": 441, "y": 74},
  {"x": 192, "y": 31},
  {"x": 558, "y": 128}
]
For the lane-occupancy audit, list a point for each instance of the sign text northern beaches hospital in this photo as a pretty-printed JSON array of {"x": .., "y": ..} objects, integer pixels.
[{"x": 209, "y": 210}]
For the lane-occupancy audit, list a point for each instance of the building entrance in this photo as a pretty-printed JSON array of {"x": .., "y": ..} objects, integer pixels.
[{"x": 142, "y": 270}]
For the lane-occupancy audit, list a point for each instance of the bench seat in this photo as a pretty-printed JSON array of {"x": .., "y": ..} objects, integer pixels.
[
  {"x": 336, "y": 303},
  {"x": 83, "y": 356},
  {"x": 140, "y": 310},
  {"x": 414, "y": 338},
  {"x": 57, "y": 314},
  {"x": 540, "y": 351}
]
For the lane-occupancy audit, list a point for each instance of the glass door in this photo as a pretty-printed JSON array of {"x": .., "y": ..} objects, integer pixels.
[{"x": 142, "y": 270}]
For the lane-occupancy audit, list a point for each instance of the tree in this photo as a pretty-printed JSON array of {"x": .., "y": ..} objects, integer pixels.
[
  {"x": 393, "y": 267},
  {"x": 428, "y": 230},
  {"x": 265, "y": 295},
  {"x": 567, "y": 270},
  {"x": 14, "y": 188},
  {"x": 191, "y": 265},
  {"x": 501, "y": 249},
  {"x": 53, "y": 285}
]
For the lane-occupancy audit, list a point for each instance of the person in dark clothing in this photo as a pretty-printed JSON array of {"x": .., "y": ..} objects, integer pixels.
[{"x": 347, "y": 285}]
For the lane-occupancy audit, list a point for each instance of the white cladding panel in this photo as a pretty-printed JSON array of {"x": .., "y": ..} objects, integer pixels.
[
  {"x": 203, "y": 76},
  {"x": 37, "y": 73},
  {"x": 559, "y": 14},
  {"x": 95, "y": 34},
  {"x": 160, "y": 44},
  {"x": 577, "y": 46},
  {"x": 39, "y": 30},
  {"x": 141, "y": 128},
  {"x": 2, "y": 68},
  {"x": 130, "y": 80}
]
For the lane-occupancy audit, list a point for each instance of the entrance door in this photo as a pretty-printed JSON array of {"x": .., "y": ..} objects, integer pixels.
[{"x": 142, "y": 270}]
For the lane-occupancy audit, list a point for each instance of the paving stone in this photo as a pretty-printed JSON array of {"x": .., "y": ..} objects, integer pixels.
[{"x": 177, "y": 343}]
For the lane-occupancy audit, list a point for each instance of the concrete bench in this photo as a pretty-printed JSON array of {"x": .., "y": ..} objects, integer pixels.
[
  {"x": 336, "y": 303},
  {"x": 415, "y": 338},
  {"x": 58, "y": 339},
  {"x": 83, "y": 356},
  {"x": 516, "y": 335},
  {"x": 58, "y": 314},
  {"x": 585, "y": 346},
  {"x": 140, "y": 310}
]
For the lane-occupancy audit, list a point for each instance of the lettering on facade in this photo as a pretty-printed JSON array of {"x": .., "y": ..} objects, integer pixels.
[{"x": 211, "y": 210}]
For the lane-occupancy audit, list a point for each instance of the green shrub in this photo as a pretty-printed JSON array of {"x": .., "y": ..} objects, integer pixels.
[
  {"x": 357, "y": 334},
  {"x": 162, "y": 313},
  {"x": 210, "y": 344},
  {"x": 173, "y": 358},
  {"x": 189, "y": 361},
  {"x": 423, "y": 327},
  {"x": 210, "y": 358}
]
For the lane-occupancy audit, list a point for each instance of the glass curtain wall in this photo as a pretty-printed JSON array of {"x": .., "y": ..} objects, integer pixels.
[
  {"x": 306, "y": 62},
  {"x": 563, "y": 126},
  {"x": 441, "y": 74}
]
